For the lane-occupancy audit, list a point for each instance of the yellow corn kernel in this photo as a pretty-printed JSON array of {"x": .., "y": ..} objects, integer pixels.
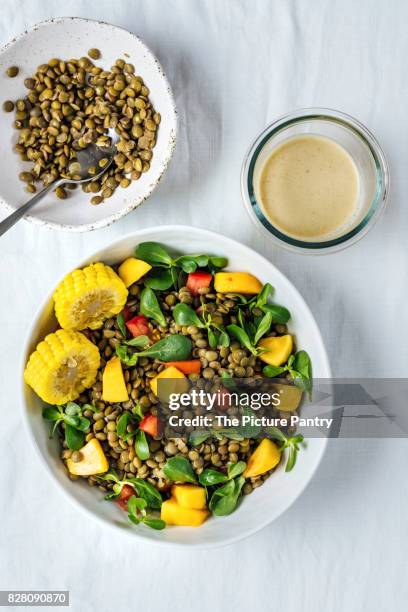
[
  {"x": 85, "y": 298},
  {"x": 62, "y": 366}
]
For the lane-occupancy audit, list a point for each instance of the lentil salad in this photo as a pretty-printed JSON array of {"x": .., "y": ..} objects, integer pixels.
[{"x": 150, "y": 315}]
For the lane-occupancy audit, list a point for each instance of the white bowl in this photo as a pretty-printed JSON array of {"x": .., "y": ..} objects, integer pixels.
[
  {"x": 68, "y": 37},
  {"x": 280, "y": 490}
]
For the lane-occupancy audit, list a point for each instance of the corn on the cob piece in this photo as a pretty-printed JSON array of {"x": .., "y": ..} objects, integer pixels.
[
  {"x": 62, "y": 366},
  {"x": 85, "y": 298}
]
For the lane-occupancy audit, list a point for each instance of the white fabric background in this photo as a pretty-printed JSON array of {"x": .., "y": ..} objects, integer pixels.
[{"x": 234, "y": 66}]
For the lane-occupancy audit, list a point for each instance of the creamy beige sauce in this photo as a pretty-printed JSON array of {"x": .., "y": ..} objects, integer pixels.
[{"x": 308, "y": 187}]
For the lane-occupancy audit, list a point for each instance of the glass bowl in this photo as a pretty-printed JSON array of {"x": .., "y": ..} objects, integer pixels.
[{"x": 356, "y": 139}]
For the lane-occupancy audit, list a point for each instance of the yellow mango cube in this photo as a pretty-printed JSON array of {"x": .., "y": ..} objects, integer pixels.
[
  {"x": 169, "y": 374},
  {"x": 174, "y": 514},
  {"x": 113, "y": 382},
  {"x": 279, "y": 349},
  {"x": 93, "y": 460},
  {"x": 189, "y": 496},
  {"x": 132, "y": 269},
  {"x": 289, "y": 397},
  {"x": 237, "y": 282},
  {"x": 265, "y": 457}
]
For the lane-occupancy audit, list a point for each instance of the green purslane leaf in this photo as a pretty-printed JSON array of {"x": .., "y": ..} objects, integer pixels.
[
  {"x": 242, "y": 337},
  {"x": 218, "y": 262},
  {"x": 197, "y": 437},
  {"x": 122, "y": 424},
  {"x": 51, "y": 414},
  {"x": 175, "y": 347},
  {"x": 154, "y": 523},
  {"x": 147, "y": 491},
  {"x": 138, "y": 342},
  {"x": 263, "y": 327},
  {"x": 120, "y": 320},
  {"x": 209, "y": 477},
  {"x": 72, "y": 409},
  {"x": 236, "y": 469},
  {"x": 185, "y": 315},
  {"x": 271, "y": 371},
  {"x": 212, "y": 338},
  {"x": 123, "y": 353},
  {"x": 178, "y": 469},
  {"x": 154, "y": 253},
  {"x": 149, "y": 306},
  {"x": 280, "y": 314},
  {"x": 141, "y": 445},
  {"x": 73, "y": 437},
  {"x": 262, "y": 298},
  {"x": 224, "y": 500},
  {"x": 159, "y": 279}
]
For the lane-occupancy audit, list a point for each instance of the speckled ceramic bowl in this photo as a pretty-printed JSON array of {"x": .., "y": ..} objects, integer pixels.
[{"x": 72, "y": 37}]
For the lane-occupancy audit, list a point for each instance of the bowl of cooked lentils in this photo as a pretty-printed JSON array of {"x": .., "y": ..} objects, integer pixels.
[
  {"x": 65, "y": 83},
  {"x": 184, "y": 306}
]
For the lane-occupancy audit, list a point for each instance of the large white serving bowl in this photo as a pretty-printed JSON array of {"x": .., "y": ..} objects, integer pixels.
[
  {"x": 68, "y": 37},
  {"x": 266, "y": 503}
]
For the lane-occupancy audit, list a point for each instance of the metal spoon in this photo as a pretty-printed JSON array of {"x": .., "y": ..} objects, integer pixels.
[{"x": 87, "y": 158}]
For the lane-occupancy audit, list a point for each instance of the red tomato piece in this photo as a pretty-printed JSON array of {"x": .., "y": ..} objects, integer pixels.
[
  {"x": 150, "y": 424},
  {"x": 126, "y": 492},
  {"x": 197, "y": 280},
  {"x": 138, "y": 326}
]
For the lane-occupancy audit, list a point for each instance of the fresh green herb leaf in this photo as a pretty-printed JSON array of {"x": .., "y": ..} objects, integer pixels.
[
  {"x": 263, "y": 296},
  {"x": 147, "y": 491},
  {"x": 175, "y": 347},
  {"x": 122, "y": 424},
  {"x": 212, "y": 338},
  {"x": 271, "y": 371},
  {"x": 302, "y": 366},
  {"x": 197, "y": 437},
  {"x": 154, "y": 523},
  {"x": 236, "y": 469},
  {"x": 120, "y": 320},
  {"x": 137, "y": 410},
  {"x": 123, "y": 353},
  {"x": 223, "y": 339},
  {"x": 154, "y": 253},
  {"x": 242, "y": 337},
  {"x": 263, "y": 327},
  {"x": 84, "y": 424},
  {"x": 73, "y": 437},
  {"x": 149, "y": 306},
  {"x": 224, "y": 500},
  {"x": 72, "y": 409},
  {"x": 159, "y": 279},
  {"x": 178, "y": 469},
  {"x": 218, "y": 262},
  {"x": 185, "y": 315},
  {"x": 209, "y": 477},
  {"x": 280, "y": 314},
  {"x": 138, "y": 342},
  {"x": 52, "y": 414},
  {"x": 141, "y": 445}
]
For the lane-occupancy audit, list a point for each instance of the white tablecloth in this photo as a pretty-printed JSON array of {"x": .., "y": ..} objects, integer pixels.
[{"x": 234, "y": 66}]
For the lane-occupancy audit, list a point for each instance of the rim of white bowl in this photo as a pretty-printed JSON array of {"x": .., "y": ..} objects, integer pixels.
[
  {"x": 105, "y": 522},
  {"x": 88, "y": 227}
]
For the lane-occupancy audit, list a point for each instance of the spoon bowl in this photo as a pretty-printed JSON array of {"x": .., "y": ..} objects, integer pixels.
[{"x": 88, "y": 159}]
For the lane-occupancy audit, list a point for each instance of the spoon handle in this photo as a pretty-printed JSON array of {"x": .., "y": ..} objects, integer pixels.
[{"x": 20, "y": 212}]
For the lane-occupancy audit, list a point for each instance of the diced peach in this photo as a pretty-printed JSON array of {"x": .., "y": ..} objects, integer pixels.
[
  {"x": 265, "y": 457},
  {"x": 174, "y": 514}
]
